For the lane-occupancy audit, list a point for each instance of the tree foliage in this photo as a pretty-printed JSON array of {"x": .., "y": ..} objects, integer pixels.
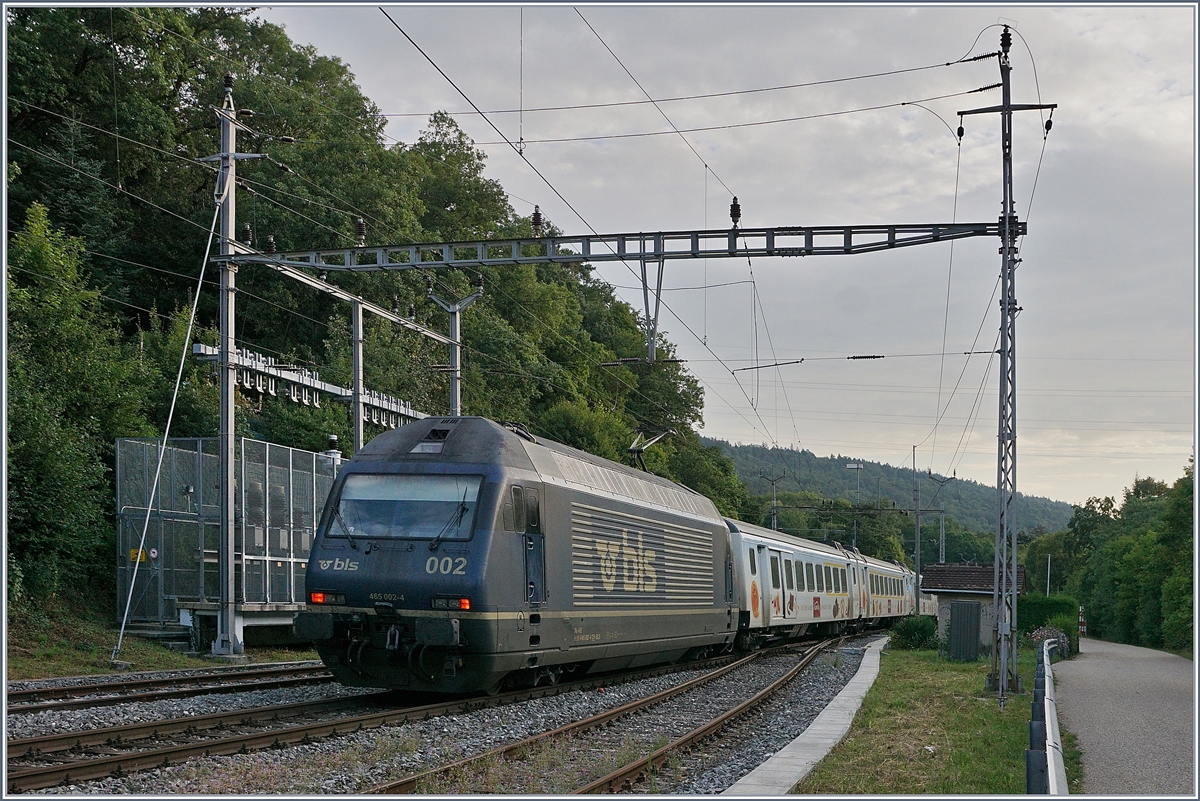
[{"x": 109, "y": 111}]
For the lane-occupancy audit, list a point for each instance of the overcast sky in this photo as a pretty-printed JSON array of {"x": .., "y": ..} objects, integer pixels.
[{"x": 1106, "y": 337}]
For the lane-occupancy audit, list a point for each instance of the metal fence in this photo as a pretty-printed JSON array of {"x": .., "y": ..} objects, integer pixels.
[{"x": 279, "y": 496}]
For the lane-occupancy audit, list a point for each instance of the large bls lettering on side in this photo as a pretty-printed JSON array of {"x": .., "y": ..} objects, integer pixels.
[{"x": 622, "y": 560}]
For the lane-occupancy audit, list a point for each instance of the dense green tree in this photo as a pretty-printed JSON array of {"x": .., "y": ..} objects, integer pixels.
[{"x": 73, "y": 388}]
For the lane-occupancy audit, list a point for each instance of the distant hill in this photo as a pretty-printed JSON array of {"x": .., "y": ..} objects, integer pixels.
[{"x": 972, "y": 504}]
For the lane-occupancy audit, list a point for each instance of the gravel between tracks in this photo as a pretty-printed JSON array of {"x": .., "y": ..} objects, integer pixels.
[
  {"x": 716, "y": 763},
  {"x": 359, "y": 760}
]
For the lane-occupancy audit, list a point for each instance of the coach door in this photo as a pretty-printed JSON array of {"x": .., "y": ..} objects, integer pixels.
[
  {"x": 778, "y": 596},
  {"x": 789, "y": 589}
]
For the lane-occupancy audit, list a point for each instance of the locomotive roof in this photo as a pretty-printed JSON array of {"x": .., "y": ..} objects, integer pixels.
[{"x": 475, "y": 440}]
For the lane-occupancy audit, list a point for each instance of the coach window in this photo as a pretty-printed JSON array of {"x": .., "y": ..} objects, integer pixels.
[
  {"x": 753, "y": 564},
  {"x": 518, "y": 496},
  {"x": 787, "y": 572},
  {"x": 828, "y": 579},
  {"x": 820, "y": 580},
  {"x": 774, "y": 573},
  {"x": 812, "y": 583},
  {"x": 845, "y": 586},
  {"x": 837, "y": 583}
]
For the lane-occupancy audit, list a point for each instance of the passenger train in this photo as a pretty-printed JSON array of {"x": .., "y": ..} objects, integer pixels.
[{"x": 457, "y": 554}]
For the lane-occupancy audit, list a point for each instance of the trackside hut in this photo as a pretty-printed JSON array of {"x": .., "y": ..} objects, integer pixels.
[{"x": 964, "y": 582}]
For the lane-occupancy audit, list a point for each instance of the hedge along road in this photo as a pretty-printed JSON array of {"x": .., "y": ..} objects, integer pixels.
[{"x": 1132, "y": 710}]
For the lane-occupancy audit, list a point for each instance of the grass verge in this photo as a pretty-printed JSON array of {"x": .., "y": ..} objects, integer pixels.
[
  {"x": 61, "y": 640},
  {"x": 927, "y": 726}
]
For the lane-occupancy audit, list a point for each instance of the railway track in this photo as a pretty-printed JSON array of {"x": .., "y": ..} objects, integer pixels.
[
  {"x": 227, "y": 680},
  {"x": 117, "y": 751},
  {"x": 466, "y": 774}
]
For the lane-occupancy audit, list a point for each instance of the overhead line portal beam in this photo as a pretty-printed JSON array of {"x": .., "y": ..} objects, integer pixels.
[{"x": 667, "y": 245}]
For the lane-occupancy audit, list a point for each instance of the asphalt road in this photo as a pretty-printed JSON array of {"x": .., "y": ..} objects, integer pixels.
[{"x": 1133, "y": 712}]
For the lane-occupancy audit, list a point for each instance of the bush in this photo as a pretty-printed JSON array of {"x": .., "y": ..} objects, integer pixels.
[
  {"x": 1034, "y": 611},
  {"x": 915, "y": 633},
  {"x": 1069, "y": 625}
]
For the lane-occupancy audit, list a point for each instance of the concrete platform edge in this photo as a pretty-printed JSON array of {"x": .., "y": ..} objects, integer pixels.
[{"x": 783, "y": 771}]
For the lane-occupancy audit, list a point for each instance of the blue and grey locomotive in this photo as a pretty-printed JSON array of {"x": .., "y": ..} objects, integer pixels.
[{"x": 458, "y": 554}]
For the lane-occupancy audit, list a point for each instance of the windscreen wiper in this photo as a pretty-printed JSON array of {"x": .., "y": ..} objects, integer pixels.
[
  {"x": 341, "y": 522},
  {"x": 454, "y": 522}
]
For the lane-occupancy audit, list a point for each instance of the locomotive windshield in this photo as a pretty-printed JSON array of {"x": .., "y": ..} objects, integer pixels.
[{"x": 406, "y": 507}]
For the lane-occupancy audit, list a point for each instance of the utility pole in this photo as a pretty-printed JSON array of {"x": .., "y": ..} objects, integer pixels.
[
  {"x": 917, "y": 525},
  {"x": 942, "y": 482},
  {"x": 455, "y": 369},
  {"x": 227, "y": 643},
  {"x": 356, "y": 388},
  {"x": 857, "y": 497},
  {"x": 1003, "y": 677},
  {"x": 774, "y": 507}
]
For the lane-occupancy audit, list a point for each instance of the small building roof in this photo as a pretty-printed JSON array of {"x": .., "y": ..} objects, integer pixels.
[{"x": 963, "y": 578}]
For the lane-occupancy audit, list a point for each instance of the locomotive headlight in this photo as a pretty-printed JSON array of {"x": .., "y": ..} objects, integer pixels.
[
  {"x": 451, "y": 603},
  {"x": 326, "y": 598}
]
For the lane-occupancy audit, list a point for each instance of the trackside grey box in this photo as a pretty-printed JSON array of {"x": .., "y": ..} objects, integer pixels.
[{"x": 964, "y": 631}]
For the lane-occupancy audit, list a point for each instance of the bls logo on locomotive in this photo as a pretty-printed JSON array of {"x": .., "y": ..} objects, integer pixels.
[
  {"x": 636, "y": 563},
  {"x": 337, "y": 564}
]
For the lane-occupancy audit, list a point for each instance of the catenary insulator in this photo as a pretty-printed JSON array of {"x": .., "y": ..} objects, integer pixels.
[
  {"x": 1048, "y": 124},
  {"x": 270, "y": 243},
  {"x": 479, "y": 281},
  {"x": 287, "y": 140},
  {"x": 247, "y": 233},
  {"x": 360, "y": 228},
  {"x": 1005, "y": 39},
  {"x": 228, "y": 82},
  {"x": 245, "y": 112},
  {"x": 960, "y": 132},
  {"x": 412, "y": 311},
  {"x": 428, "y": 284},
  {"x": 735, "y": 211},
  {"x": 537, "y": 221},
  {"x": 396, "y": 305}
]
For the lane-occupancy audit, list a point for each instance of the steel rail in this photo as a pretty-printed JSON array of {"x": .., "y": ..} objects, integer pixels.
[
  {"x": 121, "y": 764},
  {"x": 408, "y": 784},
  {"x": 319, "y": 676},
  {"x": 74, "y": 690},
  {"x": 116, "y": 736},
  {"x": 625, "y": 777}
]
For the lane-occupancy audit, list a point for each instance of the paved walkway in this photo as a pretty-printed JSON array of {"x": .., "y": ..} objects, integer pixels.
[
  {"x": 779, "y": 774},
  {"x": 1133, "y": 712}
]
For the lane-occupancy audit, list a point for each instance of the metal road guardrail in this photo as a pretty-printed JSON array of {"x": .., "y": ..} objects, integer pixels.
[{"x": 1045, "y": 772}]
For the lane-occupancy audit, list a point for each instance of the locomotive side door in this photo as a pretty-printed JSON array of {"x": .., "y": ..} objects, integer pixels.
[
  {"x": 778, "y": 598},
  {"x": 528, "y": 523}
]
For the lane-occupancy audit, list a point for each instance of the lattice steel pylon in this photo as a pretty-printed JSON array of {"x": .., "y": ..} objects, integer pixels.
[{"x": 1003, "y": 677}]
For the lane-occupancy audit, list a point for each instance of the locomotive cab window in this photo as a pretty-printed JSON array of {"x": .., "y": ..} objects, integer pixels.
[{"x": 406, "y": 507}]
